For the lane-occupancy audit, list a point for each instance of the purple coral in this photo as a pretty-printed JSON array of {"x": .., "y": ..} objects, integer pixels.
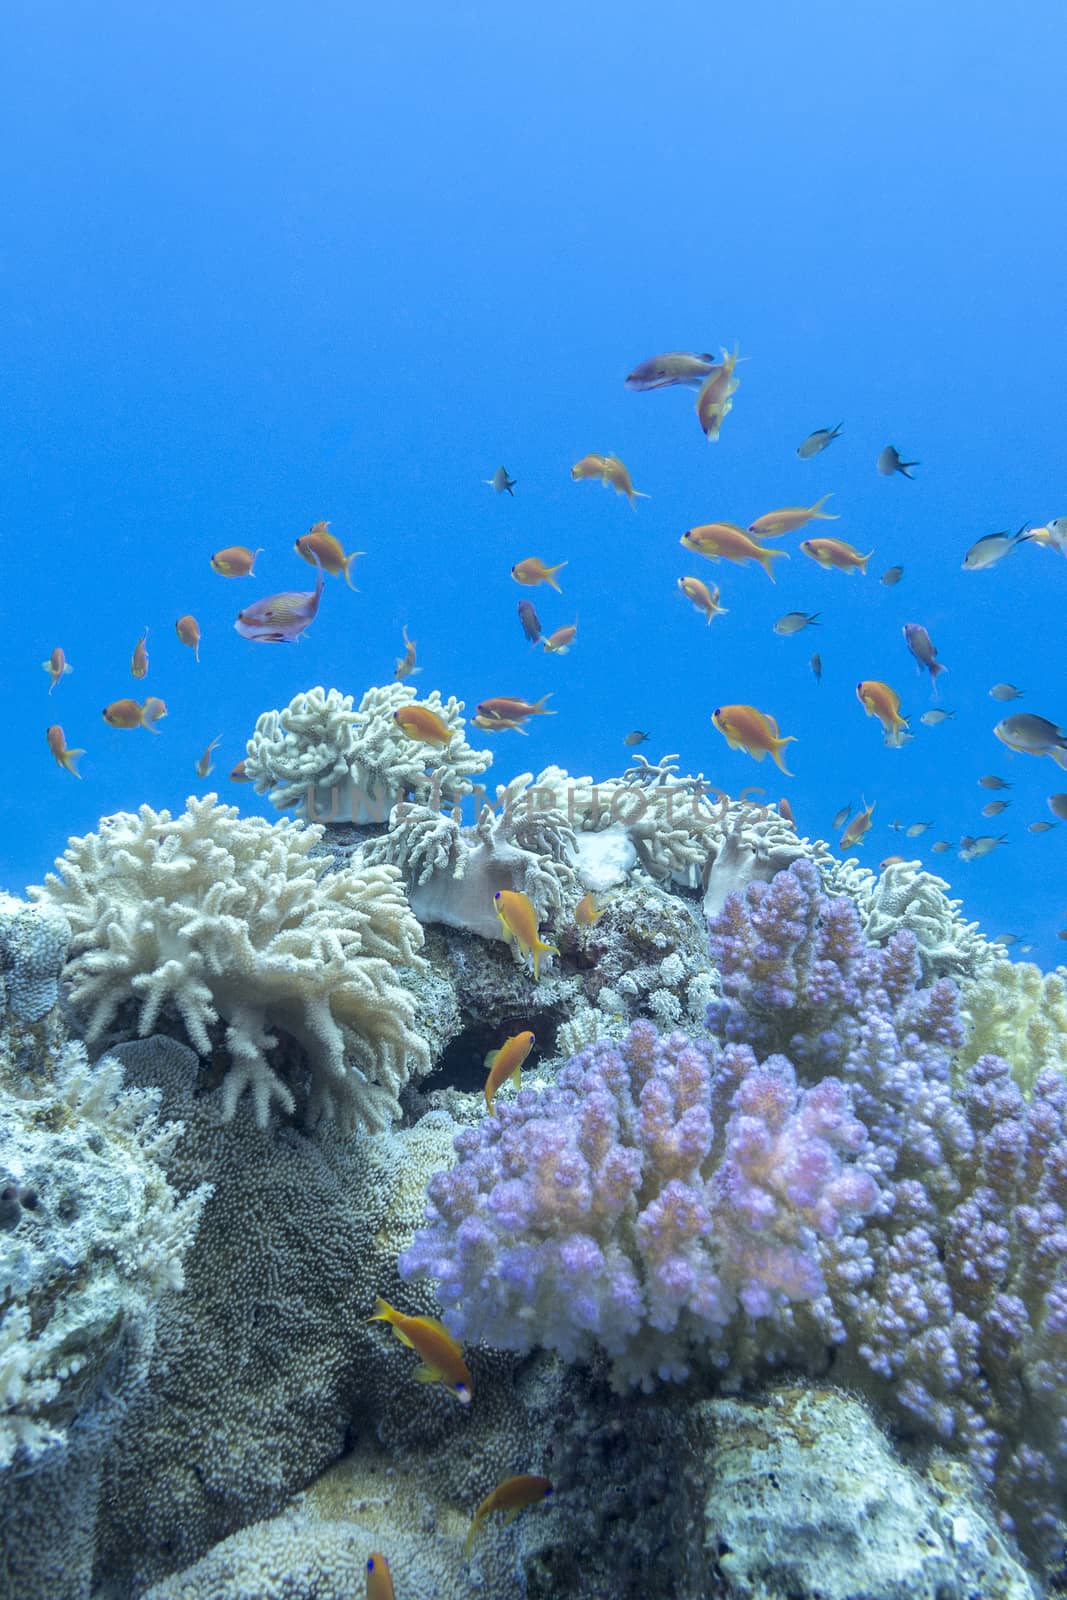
[
  {"x": 659, "y": 1191},
  {"x": 813, "y": 1179}
]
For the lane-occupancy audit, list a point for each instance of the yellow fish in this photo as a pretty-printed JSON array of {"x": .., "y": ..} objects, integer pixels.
[
  {"x": 205, "y": 765},
  {"x": 835, "y": 553},
  {"x": 419, "y": 722},
  {"x": 128, "y": 714},
  {"x": 559, "y": 643},
  {"x": 139, "y": 659},
  {"x": 706, "y": 600},
  {"x": 519, "y": 922},
  {"x": 858, "y": 827},
  {"x": 506, "y": 1063},
  {"x": 320, "y": 543},
  {"x": 745, "y": 728},
  {"x": 188, "y": 630},
  {"x": 442, "y": 1358},
  {"x": 405, "y": 664},
  {"x": 56, "y": 666},
  {"x": 379, "y": 1579},
  {"x": 789, "y": 519},
  {"x": 879, "y": 700},
  {"x": 587, "y": 912},
  {"x": 713, "y": 402},
  {"x": 532, "y": 572},
  {"x": 610, "y": 470},
  {"x": 726, "y": 539},
  {"x": 57, "y": 743},
  {"x": 511, "y": 1497},
  {"x": 494, "y": 724},
  {"x": 236, "y": 561}
]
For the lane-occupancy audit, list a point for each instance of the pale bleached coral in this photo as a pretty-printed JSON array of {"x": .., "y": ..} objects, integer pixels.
[
  {"x": 332, "y": 762},
  {"x": 904, "y": 895},
  {"x": 95, "y": 1237},
  {"x": 453, "y": 873},
  {"x": 33, "y": 945},
  {"x": 1015, "y": 1010},
  {"x": 230, "y": 918}
]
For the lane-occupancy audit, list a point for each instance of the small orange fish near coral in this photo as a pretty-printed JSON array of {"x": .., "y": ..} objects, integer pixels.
[
  {"x": 506, "y": 1063},
  {"x": 511, "y": 1497},
  {"x": 379, "y": 1579},
  {"x": 442, "y": 1358},
  {"x": 519, "y": 922},
  {"x": 419, "y": 722},
  {"x": 321, "y": 543},
  {"x": 858, "y": 827},
  {"x": 745, "y": 728},
  {"x": 188, "y": 630}
]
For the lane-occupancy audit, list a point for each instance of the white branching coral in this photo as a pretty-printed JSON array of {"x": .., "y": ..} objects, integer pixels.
[
  {"x": 905, "y": 896},
  {"x": 332, "y": 762},
  {"x": 232, "y": 918},
  {"x": 1013, "y": 1009}
]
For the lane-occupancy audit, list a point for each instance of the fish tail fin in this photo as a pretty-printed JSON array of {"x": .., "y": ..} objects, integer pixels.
[
  {"x": 471, "y": 1531},
  {"x": 825, "y": 516},
  {"x": 551, "y": 578},
  {"x": 1059, "y": 755},
  {"x": 383, "y": 1311},
  {"x": 904, "y": 465},
  {"x": 345, "y": 566},
  {"x": 69, "y": 759},
  {"x": 776, "y": 751},
  {"x": 766, "y": 559},
  {"x": 863, "y": 560},
  {"x": 539, "y": 704},
  {"x": 635, "y": 495}
]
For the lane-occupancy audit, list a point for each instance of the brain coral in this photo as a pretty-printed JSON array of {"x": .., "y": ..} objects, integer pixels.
[{"x": 232, "y": 918}]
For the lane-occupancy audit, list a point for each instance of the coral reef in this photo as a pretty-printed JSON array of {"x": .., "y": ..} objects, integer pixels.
[
  {"x": 905, "y": 896},
  {"x": 331, "y": 763},
  {"x": 668, "y": 1203},
  {"x": 33, "y": 947},
  {"x": 229, "y": 918},
  {"x": 92, "y": 1237},
  {"x": 452, "y": 873},
  {"x": 1015, "y": 1010}
]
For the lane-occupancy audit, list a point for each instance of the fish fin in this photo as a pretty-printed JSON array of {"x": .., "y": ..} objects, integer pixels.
[
  {"x": 70, "y": 761},
  {"x": 539, "y": 704},
  {"x": 383, "y": 1311},
  {"x": 516, "y": 1077},
  {"x": 490, "y": 1058},
  {"x": 424, "y": 1373},
  {"x": 1058, "y": 755},
  {"x": 472, "y": 1530},
  {"x": 766, "y": 560},
  {"x": 512, "y": 1513},
  {"x": 779, "y": 746}
]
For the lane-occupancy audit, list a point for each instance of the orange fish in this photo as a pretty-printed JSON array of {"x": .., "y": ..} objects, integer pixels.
[
  {"x": 57, "y": 743},
  {"x": 879, "y": 700},
  {"x": 236, "y": 561},
  {"x": 786, "y": 810},
  {"x": 405, "y": 664},
  {"x": 726, "y": 539},
  {"x": 442, "y": 1358},
  {"x": 56, "y": 666},
  {"x": 858, "y": 827},
  {"x": 587, "y": 912},
  {"x": 714, "y": 401},
  {"x": 511, "y": 1497},
  {"x": 559, "y": 643},
  {"x": 891, "y": 861},
  {"x": 505, "y": 706},
  {"x": 519, "y": 922},
  {"x": 239, "y": 774},
  {"x": 139, "y": 659},
  {"x": 835, "y": 553},
  {"x": 706, "y": 600},
  {"x": 205, "y": 765},
  {"x": 320, "y": 543},
  {"x": 789, "y": 519},
  {"x": 128, "y": 714},
  {"x": 188, "y": 630},
  {"x": 379, "y": 1580},
  {"x": 609, "y": 469},
  {"x": 490, "y": 724},
  {"x": 506, "y": 1063},
  {"x": 745, "y": 728},
  {"x": 419, "y": 722},
  {"x": 532, "y": 572}
]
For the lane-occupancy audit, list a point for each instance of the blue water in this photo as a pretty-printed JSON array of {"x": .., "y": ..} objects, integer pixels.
[{"x": 263, "y": 267}]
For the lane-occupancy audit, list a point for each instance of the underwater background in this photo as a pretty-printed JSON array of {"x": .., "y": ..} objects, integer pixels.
[{"x": 264, "y": 268}]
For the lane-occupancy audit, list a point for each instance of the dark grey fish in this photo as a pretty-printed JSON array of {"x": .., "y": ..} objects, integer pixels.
[
  {"x": 889, "y": 462},
  {"x": 892, "y": 575},
  {"x": 531, "y": 622},
  {"x": 816, "y": 666},
  {"x": 636, "y": 737},
  {"x": 817, "y": 442},
  {"x": 500, "y": 481}
]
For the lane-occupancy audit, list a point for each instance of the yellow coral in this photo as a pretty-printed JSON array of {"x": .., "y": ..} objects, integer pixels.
[{"x": 1019, "y": 1012}]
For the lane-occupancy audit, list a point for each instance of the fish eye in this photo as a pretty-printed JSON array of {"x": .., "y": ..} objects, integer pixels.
[{"x": 463, "y": 1393}]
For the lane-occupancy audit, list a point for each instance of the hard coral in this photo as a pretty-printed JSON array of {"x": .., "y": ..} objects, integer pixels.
[{"x": 230, "y": 918}]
